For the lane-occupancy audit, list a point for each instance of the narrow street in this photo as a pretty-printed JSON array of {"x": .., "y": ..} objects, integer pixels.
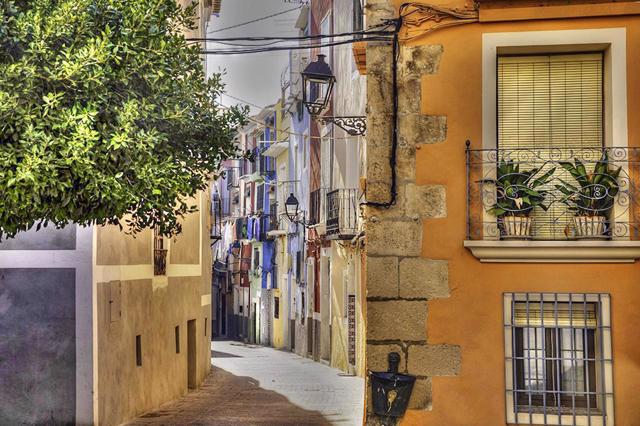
[{"x": 256, "y": 385}]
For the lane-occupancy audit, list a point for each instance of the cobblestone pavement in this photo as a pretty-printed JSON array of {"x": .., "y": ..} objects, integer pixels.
[{"x": 255, "y": 385}]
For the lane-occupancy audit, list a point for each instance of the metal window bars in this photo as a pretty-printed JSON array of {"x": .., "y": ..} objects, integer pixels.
[
  {"x": 342, "y": 214},
  {"x": 558, "y": 359},
  {"x": 579, "y": 200}
]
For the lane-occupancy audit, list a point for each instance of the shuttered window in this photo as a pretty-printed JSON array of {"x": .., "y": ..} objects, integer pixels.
[
  {"x": 550, "y": 108},
  {"x": 554, "y": 315},
  {"x": 550, "y": 101}
]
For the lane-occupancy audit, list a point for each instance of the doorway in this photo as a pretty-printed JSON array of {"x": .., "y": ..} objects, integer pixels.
[{"x": 191, "y": 354}]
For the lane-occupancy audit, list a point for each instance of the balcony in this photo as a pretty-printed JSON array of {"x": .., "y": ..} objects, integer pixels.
[
  {"x": 159, "y": 253},
  {"x": 232, "y": 178},
  {"x": 553, "y": 204},
  {"x": 273, "y": 217},
  {"x": 159, "y": 262},
  {"x": 259, "y": 207},
  {"x": 342, "y": 214}
]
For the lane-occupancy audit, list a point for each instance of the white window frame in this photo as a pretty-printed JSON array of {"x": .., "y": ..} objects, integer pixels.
[{"x": 604, "y": 315}]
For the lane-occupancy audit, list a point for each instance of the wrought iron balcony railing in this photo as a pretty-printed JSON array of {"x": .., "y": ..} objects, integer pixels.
[
  {"x": 553, "y": 194},
  {"x": 159, "y": 262},
  {"x": 274, "y": 222},
  {"x": 342, "y": 214},
  {"x": 233, "y": 177}
]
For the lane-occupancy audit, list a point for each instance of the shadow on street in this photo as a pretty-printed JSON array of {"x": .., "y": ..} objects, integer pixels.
[{"x": 225, "y": 399}]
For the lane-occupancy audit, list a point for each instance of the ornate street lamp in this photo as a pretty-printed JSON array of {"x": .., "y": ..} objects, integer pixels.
[
  {"x": 291, "y": 208},
  {"x": 317, "y": 85}
]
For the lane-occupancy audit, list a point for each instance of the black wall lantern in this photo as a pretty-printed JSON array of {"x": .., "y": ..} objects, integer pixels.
[
  {"x": 291, "y": 208},
  {"x": 317, "y": 84}
]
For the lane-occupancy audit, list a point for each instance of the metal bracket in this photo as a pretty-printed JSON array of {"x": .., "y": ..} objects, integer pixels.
[{"x": 353, "y": 125}]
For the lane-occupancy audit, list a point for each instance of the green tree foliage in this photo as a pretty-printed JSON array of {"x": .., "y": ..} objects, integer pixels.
[{"x": 104, "y": 113}]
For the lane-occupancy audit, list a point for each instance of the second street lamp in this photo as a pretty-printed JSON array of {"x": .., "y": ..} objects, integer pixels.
[
  {"x": 317, "y": 85},
  {"x": 291, "y": 208}
]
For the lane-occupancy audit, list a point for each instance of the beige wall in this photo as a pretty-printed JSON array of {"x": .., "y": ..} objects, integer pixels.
[
  {"x": 130, "y": 301},
  {"x": 116, "y": 248},
  {"x": 183, "y": 251},
  {"x": 339, "y": 344},
  {"x": 346, "y": 259}
]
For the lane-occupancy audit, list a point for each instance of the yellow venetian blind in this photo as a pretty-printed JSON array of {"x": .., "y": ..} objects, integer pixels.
[
  {"x": 581, "y": 315},
  {"x": 550, "y": 101},
  {"x": 550, "y": 108}
]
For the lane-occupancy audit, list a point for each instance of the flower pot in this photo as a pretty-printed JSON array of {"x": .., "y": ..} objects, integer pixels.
[
  {"x": 590, "y": 226},
  {"x": 516, "y": 227}
]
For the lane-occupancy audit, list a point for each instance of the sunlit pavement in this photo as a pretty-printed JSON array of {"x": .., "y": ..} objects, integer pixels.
[{"x": 255, "y": 385}]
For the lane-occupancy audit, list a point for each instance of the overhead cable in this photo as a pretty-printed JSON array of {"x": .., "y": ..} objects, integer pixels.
[
  {"x": 255, "y": 20},
  {"x": 248, "y": 50},
  {"x": 287, "y": 132},
  {"x": 375, "y": 30}
]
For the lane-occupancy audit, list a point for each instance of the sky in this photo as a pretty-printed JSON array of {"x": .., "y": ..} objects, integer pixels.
[{"x": 255, "y": 78}]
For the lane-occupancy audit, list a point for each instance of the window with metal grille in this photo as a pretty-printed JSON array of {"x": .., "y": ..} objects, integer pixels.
[
  {"x": 550, "y": 107},
  {"x": 276, "y": 307},
  {"x": 559, "y": 365}
]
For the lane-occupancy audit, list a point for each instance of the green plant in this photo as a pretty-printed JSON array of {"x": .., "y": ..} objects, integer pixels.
[
  {"x": 519, "y": 191},
  {"x": 596, "y": 190},
  {"x": 105, "y": 113}
]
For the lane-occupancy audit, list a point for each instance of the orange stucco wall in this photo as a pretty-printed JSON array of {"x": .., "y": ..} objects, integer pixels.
[{"x": 472, "y": 316}]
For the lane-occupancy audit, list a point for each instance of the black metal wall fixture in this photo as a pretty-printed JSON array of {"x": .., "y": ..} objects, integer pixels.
[{"x": 391, "y": 390}]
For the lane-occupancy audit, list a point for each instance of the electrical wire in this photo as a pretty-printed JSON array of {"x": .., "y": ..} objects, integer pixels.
[
  {"x": 371, "y": 30},
  {"x": 288, "y": 48},
  {"x": 266, "y": 126},
  {"x": 435, "y": 13},
  {"x": 394, "y": 135},
  {"x": 256, "y": 20}
]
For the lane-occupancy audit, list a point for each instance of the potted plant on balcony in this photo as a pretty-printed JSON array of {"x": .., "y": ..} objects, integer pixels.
[
  {"x": 518, "y": 193},
  {"x": 592, "y": 199}
]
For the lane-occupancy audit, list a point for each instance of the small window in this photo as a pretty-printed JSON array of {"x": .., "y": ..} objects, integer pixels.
[
  {"x": 358, "y": 16},
  {"x": 139, "y": 350},
  {"x": 177, "y": 334},
  {"x": 256, "y": 258},
  {"x": 276, "y": 307},
  {"x": 558, "y": 359},
  {"x": 206, "y": 321}
]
